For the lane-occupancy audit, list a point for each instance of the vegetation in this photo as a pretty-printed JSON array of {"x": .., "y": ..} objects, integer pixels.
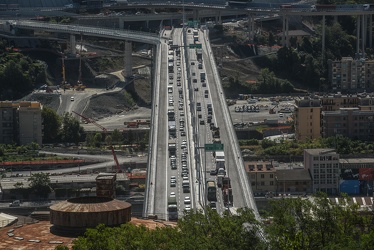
[
  {"x": 291, "y": 223},
  {"x": 19, "y": 74},
  {"x": 40, "y": 184},
  {"x": 194, "y": 231},
  {"x": 343, "y": 145}
]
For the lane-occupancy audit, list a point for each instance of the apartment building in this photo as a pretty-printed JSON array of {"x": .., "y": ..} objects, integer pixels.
[
  {"x": 336, "y": 101},
  {"x": 307, "y": 118},
  {"x": 309, "y": 123},
  {"x": 349, "y": 122},
  {"x": 21, "y": 122},
  {"x": 262, "y": 176},
  {"x": 323, "y": 165},
  {"x": 351, "y": 75},
  {"x": 269, "y": 178}
]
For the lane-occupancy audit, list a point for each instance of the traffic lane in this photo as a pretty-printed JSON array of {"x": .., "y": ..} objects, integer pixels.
[
  {"x": 162, "y": 143},
  {"x": 231, "y": 169}
]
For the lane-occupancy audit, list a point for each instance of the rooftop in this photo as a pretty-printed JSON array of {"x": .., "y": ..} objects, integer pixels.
[
  {"x": 293, "y": 175},
  {"x": 38, "y": 235}
]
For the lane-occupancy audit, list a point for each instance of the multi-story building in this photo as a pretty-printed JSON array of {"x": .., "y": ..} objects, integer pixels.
[
  {"x": 269, "y": 178},
  {"x": 262, "y": 176},
  {"x": 349, "y": 122},
  {"x": 351, "y": 75},
  {"x": 307, "y": 118},
  {"x": 21, "y": 122},
  {"x": 323, "y": 165},
  {"x": 337, "y": 101}
]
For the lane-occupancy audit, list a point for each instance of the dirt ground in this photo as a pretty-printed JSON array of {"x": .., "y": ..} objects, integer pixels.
[{"x": 231, "y": 64}]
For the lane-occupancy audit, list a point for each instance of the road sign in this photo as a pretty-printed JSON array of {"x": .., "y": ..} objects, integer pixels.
[
  {"x": 214, "y": 147},
  {"x": 195, "y": 46}
]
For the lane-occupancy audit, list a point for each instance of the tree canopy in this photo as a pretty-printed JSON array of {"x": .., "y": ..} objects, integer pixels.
[
  {"x": 290, "y": 223},
  {"x": 40, "y": 184}
]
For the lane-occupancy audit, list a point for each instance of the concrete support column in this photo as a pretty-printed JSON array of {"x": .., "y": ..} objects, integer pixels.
[
  {"x": 196, "y": 14},
  {"x": 371, "y": 31},
  {"x": 287, "y": 38},
  {"x": 323, "y": 36},
  {"x": 128, "y": 59},
  {"x": 251, "y": 27},
  {"x": 283, "y": 30},
  {"x": 73, "y": 51},
  {"x": 121, "y": 23},
  {"x": 219, "y": 18},
  {"x": 358, "y": 21},
  {"x": 363, "y": 35},
  {"x": 147, "y": 24}
]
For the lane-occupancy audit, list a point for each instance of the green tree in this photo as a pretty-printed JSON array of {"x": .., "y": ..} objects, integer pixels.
[
  {"x": 116, "y": 136},
  {"x": 40, "y": 184},
  {"x": 98, "y": 139},
  {"x": 52, "y": 124},
  {"x": 271, "y": 39},
  {"x": 195, "y": 230},
  {"x": 71, "y": 129}
]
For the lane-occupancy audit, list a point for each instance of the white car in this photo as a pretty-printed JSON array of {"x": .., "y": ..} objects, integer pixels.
[
  {"x": 172, "y": 194},
  {"x": 187, "y": 200},
  {"x": 187, "y": 207},
  {"x": 72, "y": 98}
]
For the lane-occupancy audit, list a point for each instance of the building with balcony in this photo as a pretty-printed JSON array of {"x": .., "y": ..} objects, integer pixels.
[
  {"x": 351, "y": 75},
  {"x": 270, "y": 178},
  {"x": 307, "y": 118},
  {"x": 21, "y": 122},
  {"x": 323, "y": 165},
  {"x": 349, "y": 122}
]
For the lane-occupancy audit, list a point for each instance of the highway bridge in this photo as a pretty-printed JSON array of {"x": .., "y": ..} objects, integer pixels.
[{"x": 179, "y": 156}]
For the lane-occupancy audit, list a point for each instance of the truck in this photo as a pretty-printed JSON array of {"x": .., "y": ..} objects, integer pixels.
[
  {"x": 323, "y": 7},
  {"x": 172, "y": 208},
  {"x": 186, "y": 186},
  {"x": 228, "y": 198},
  {"x": 132, "y": 124},
  {"x": 199, "y": 54},
  {"x": 220, "y": 161},
  {"x": 211, "y": 191},
  {"x": 220, "y": 155},
  {"x": 202, "y": 76},
  {"x": 172, "y": 146}
]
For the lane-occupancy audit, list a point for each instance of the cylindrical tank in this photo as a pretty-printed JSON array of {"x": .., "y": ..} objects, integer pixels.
[{"x": 88, "y": 212}]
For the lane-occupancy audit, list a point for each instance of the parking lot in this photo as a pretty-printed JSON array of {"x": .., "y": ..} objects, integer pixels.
[{"x": 256, "y": 112}]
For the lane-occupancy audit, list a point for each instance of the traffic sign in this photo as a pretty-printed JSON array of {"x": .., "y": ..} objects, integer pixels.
[
  {"x": 214, "y": 147},
  {"x": 195, "y": 46}
]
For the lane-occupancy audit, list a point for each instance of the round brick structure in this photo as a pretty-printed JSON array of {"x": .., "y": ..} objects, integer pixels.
[{"x": 77, "y": 214}]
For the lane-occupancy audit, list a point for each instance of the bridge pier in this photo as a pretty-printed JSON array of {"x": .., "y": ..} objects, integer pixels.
[
  {"x": 218, "y": 18},
  {"x": 251, "y": 26},
  {"x": 121, "y": 23},
  {"x": 363, "y": 40},
  {"x": 196, "y": 15},
  {"x": 358, "y": 36},
  {"x": 284, "y": 30},
  {"x": 371, "y": 31},
  {"x": 73, "y": 50},
  {"x": 128, "y": 59},
  {"x": 323, "y": 36}
]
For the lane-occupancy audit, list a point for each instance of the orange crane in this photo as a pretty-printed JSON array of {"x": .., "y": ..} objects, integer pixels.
[{"x": 105, "y": 130}]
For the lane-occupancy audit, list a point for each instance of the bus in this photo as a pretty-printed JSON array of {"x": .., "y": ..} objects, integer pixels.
[{"x": 211, "y": 191}]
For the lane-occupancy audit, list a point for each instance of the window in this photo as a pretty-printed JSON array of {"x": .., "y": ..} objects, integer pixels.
[
  {"x": 272, "y": 183},
  {"x": 271, "y": 176},
  {"x": 262, "y": 176},
  {"x": 262, "y": 183}
]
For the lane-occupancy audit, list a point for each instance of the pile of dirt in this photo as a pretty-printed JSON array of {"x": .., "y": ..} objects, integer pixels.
[{"x": 48, "y": 100}]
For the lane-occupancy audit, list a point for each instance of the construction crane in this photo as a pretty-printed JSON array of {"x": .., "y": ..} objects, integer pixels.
[{"x": 105, "y": 130}]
